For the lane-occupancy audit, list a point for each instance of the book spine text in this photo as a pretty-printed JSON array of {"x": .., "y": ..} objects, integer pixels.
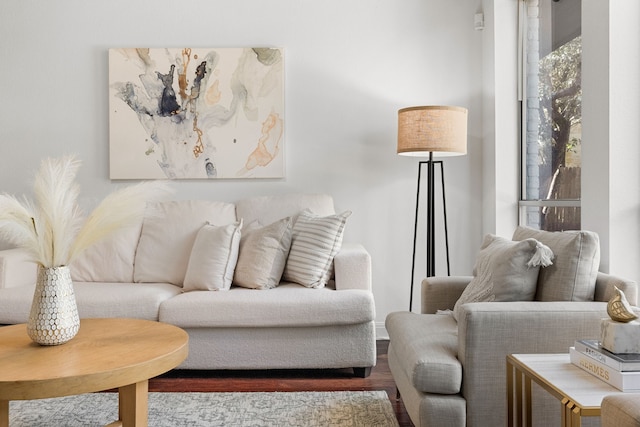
[
  {"x": 624, "y": 381},
  {"x": 596, "y": 355}
]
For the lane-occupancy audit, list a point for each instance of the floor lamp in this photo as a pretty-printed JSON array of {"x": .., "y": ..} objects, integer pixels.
[{"x": 425, "y": 131}]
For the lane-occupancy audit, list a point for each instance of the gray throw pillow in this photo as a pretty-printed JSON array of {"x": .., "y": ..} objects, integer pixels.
[
  {"x": 572, "y": 277},
  {"x": 505, "y": 271}
]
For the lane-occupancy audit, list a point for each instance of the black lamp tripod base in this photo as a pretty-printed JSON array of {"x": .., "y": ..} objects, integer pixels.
[{"x": 431, "y": 259}]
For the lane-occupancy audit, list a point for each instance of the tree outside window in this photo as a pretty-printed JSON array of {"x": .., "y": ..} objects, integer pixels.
[{"x": 552, "y": 116}]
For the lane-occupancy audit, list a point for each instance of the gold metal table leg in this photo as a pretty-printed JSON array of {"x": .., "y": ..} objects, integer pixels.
[
  {"x": 563, "y": 412},
  {"x": 576, "y": 417},
  {"x": 510, "y": 399},
  {"x": 527, "y": 401},
  {"x": 519, "y": 398}
]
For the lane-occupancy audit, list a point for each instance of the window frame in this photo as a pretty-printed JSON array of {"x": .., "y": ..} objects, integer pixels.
[{"x": 524, "y": 203}]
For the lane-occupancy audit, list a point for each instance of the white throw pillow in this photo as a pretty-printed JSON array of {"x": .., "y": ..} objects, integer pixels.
[
  {"x": 314, "y": 243},
  {"x": 110, "y": 259},
  {"x": 263, "y": 255},
  {"x": 213, "y": 258},
  {"x": 168, "y": 234},
  {"x": 505, "y": 271}
]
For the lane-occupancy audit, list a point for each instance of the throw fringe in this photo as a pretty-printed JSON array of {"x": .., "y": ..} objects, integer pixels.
[{"x": 543, "y": 256}]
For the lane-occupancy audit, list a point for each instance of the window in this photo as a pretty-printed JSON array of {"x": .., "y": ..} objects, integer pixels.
[{"x": 550, "y": 34}]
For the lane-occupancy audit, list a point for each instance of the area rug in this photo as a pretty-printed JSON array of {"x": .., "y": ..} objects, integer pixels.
[{"x": 281, "y": 409}]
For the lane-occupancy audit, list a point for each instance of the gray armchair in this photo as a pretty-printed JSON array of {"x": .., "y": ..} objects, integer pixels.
[
  {"x": 452, "y": 373},
  {"x": 621, "y": 410}
]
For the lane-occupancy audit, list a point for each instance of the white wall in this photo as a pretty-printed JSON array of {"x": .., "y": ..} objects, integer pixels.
[
  {"x": 611, "y": 106},
  {"x": 610, "y": 154},
  {"x": 500, "y": 118},
  {"x": 349, "y": 67}
]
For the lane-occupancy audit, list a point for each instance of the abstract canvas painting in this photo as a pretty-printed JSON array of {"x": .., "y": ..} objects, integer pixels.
[{"x": 194, "y": 113}]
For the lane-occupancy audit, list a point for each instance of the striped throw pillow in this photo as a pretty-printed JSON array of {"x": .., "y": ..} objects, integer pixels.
[{"x": 315, "y": 241}]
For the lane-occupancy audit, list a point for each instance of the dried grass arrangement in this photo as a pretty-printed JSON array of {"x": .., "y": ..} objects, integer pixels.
[{"x": 53, "y": 229}]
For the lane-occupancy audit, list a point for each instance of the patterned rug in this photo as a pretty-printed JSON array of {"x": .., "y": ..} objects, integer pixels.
[{"x": 341, "y": 408}]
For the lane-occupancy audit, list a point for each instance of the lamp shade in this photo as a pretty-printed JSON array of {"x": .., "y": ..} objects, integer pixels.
[{"x": 438, "y": 129}]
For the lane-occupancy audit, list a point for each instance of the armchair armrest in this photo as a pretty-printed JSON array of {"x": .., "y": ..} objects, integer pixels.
[
  {"x": 441, "y": 293},
  {"x": 352, "y": 268},
  {"x": 16, "y": 268},
  {"x": 620, "y": 410},
  {"x": 605, "y": 288}
]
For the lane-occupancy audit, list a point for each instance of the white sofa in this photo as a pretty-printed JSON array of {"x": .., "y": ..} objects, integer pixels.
[{"x": 140, "y": 273}]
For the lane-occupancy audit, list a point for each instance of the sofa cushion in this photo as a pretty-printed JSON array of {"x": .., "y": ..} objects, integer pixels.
[
  {"x": 505, "y": 271},
  {"x": 168, "y": 236},
  {"x": 288, "y": 305},
  {"x": 427, "y": 345},
  {"x": 15, "y": 303},
  {"x": 268, "y": 209},
  {"x": 109, "y": 260},
  {"x": 213, "y": 258},
  {"x": 136, "y": 300},
  {"x": 263, "y": 254},
  {"x": 94, "y": 299},
  {"x": 315, "y": 240},
  {"x": 572, "y": 277}
]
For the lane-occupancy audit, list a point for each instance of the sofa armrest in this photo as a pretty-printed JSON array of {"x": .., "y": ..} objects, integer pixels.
[
  {"x": 352, "y": 267},
  {"x": 489, "y": 331},
  {"x": 441, "y": 293},
  {"x": 605, "y": 288},
  {"x": 16, "y": 268}
]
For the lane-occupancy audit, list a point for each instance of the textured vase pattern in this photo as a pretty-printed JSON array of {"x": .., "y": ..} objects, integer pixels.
[{"x": 53, "y": 319}]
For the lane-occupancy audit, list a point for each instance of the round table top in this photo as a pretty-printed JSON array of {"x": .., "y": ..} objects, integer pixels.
[{"x": 105, "y": 354}]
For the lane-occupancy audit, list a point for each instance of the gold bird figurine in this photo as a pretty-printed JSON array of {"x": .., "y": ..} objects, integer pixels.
[{"x": 619, "y": 309}]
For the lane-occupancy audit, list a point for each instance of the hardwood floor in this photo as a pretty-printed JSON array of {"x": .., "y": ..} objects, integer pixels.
[{"x": 286, "y": 380}]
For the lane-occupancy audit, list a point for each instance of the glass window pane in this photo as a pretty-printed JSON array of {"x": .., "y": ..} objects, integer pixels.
[
  {"x": 553, "y": 218},
  {"x": 552, "y": 110}
]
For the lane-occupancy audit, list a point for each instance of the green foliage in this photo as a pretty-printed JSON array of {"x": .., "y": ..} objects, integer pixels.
[{"x": 560, "y": 94}]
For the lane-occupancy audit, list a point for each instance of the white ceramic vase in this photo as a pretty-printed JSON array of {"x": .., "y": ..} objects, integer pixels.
[{"x": 53, "y": 319}]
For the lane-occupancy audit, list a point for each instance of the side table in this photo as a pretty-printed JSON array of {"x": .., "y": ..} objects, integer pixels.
[
  {"x": 580, "y": 393},
  {"x": 105, "y": 354}
]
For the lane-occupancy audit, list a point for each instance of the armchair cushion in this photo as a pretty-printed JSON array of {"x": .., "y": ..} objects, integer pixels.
[
  {"x": 442, "y": 292},
  {"x": 427, "y": 344},
  {"x": 572, "y": 277},
  {"x": 505, "y": 271}
]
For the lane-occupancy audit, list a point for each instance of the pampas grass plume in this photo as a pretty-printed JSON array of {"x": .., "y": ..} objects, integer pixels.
[
  {"x": 120, "y": 209},
  {"x": 53, "y": 229}
]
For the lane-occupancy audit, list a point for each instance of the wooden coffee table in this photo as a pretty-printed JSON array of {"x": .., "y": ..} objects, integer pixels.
[{"x": 106, "y": 354}]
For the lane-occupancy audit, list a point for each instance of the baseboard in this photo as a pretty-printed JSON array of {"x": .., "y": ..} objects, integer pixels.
[{"x": 381, "y": 331}]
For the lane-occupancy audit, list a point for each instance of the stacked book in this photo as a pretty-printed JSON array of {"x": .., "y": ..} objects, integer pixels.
[{"x": 622, "y": 371}]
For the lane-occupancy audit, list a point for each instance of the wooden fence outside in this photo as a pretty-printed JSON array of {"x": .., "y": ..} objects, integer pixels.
[{"x": 565, "y": 186}]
